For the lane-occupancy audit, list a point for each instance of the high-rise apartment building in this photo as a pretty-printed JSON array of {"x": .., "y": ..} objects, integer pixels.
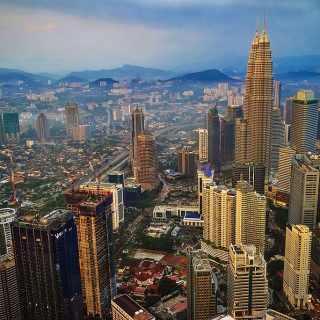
[
  {"x": 205, "y": 176},
  {"x": 252, "y": 173},
  {"x": 95, "y": 239},
  {"x": 187, "y": 161},
  {"x": 259, "y": 102},
  {"x": 286, "y": 156},
  {"x": 304, "y": 122},
  {"x": 11, "y": 127},
  {"x": 72, "y": 117},
  {"x": 297, "y": 265},
  {"x": 146, "y": 163},
  {"x": 250, "y": 216},
  {"x": 201, "y": 286},
  {"x": 109, "y": 189},
  {"x": 213, "y": 127},
  {"x": 137, "y": 122},
  {"x": 125, "y": 308},
  {"x": 81, "y": 132},
  {"x": 203, "y": 145},
  {"x": 47, "y": 263},
  {"x": 304, "y": 189},
  {"x": 247, "y": 283},
  {"x": 219, "y": 215},
  {"x": 43, "y": 132}
]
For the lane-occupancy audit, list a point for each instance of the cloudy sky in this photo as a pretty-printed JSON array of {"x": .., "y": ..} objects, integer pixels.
[{"x": 64, "y": 35}]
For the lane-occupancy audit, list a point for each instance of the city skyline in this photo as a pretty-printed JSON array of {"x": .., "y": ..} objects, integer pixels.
[{"x": 40, "y": 36}]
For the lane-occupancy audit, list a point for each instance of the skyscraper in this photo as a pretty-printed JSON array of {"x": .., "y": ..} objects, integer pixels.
[
  {"x": 258, "y": 101},
  {"x": 276, "y": 94},
  {"x": 304, "y": 122},
  {"x": 72, "y": 117},
  {"x": 241, "y": 141},
  {"x": 203, "y": 145},
  {"x": 7, "y": 216},
  {"x": 47, "y": 262},
  {"x": 227, "y": 140},
  {"x": 43, "y": 128},
  {"x": 250, "y": 216},
  {"x": 111, "y": 189},
  {"x": 205, "y": 176},
  {"x": 247, "y": 283},
  {"x": 137, "y": 121},
  {"x": 146, "y": 164},
  {"x": 286, "y": 155},
  {"x": 9, "y": 293},
  {"x": 297, "y": 265},
  {"x": 187, "y": 161},
  {"x": 219, "y": 216},
  {"x": 95, "y": 240},
  {"x": 202, "y": 286},
  {"x": 304, "y": 189},
  {"x": 11, "y": 127},
  {"x": 213, "y": 127},
  {"x": 2, "y": 134}
]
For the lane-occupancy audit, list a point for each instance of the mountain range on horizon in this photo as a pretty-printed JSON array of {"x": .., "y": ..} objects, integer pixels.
[{"x": 295, "y": 68}]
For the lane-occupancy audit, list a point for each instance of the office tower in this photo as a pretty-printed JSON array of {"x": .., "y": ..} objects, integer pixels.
[
  {"x": 240, "y": 141},
  {"x": 7, "y": 216},
  {"x": 287, "y": 111},
  {"x": 95, "y": 239},
  {"x": 258, "y": 101},
  {"x": 11, "y": 127},
  {"x": 286, "y": 155},
  {"x": 304, "y": 122},
  {"x": 125, "y": 308},
  {"x": 276, "y": 94},
  {"x": 116, "y": 177},
  {"x": 201, "y": 286},
  {"x": 9, "y": 292},
  {"x": 43, "y": 132},
  {"x": 205, "y": 176},
  {"x": 188, "y": 161},
  {"x": 297, "y": 265},
  {"x": 318, "y": 129},
  {"x": 81, "y": 132},
  {"x": 315, "y": 254},
  {"x": 252, "y": 173},
  {"x": 146, "y": 163},
  {"x": 250, "y": 216},
  {"x": 109, "y": 189},
  {"x": 203, "y": 145},
  {"x": 304, "y": 190},
  {"x": 213, "y": 127},
  {"x": 137, "y": 122},
  {"x": 219, "y": 215},
  {"x": 2, "y": 133},
  {"x": 227, "y": 139},
  {"x": 72, "y": 117},
  {"x": 47, "y": 262},
  {"x": 234, "y": 111},
  {"x": 247, "y": 283}
]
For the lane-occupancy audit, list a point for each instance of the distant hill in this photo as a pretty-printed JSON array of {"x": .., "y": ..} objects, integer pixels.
[
  {"x": 126, "y": 72},
  {"x": 210, "y": 75},
  {"x": 97, "y": 83},
  {"x": 299, "y": 76},
  {"x": 72, "y": 78},
  {"x": 15, "y": 75}
]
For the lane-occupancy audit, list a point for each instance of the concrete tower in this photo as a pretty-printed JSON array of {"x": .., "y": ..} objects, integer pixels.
[{"x": 137, "y": 121}]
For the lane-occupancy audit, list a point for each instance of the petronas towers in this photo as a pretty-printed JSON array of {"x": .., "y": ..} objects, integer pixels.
[{"x": 253, "y": 133}]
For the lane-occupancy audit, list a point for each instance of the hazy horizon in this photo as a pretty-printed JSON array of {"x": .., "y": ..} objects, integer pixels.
[{"x": 58, "y": 37}]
